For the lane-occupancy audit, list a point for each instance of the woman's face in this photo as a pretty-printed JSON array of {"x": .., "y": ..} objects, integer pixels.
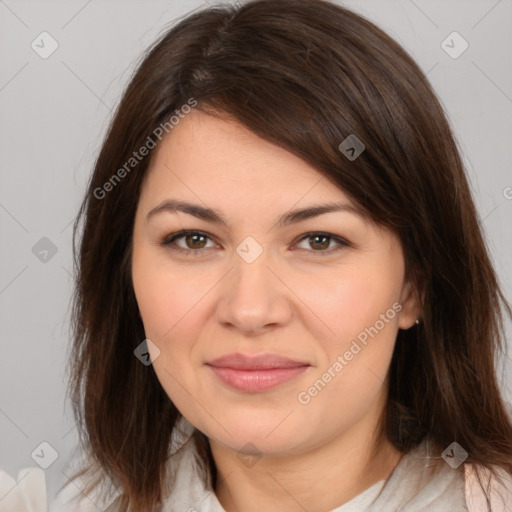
[{"x": 325, "y": 291}]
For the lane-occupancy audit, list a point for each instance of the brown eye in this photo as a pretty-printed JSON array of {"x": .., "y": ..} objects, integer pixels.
[
  {"x": 188, "y": 242},
  {"x": 318, "y": 242},
  {"x": 195, "y": 241}
]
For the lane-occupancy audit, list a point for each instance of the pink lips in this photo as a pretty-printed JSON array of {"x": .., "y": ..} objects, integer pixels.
[{"x": 256, "y": 373}]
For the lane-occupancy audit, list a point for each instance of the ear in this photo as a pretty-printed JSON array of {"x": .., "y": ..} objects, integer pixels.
[{"x": 411, "y": 306}]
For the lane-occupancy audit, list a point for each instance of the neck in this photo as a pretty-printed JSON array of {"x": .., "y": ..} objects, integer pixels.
[{"x": 320, "y": 479}]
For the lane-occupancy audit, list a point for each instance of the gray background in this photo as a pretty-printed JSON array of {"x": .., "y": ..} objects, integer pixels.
[{"x": 54, "y": 113}]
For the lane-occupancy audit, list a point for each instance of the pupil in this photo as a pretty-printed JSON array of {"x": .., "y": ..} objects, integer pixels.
[
  {"x": 324, "y": 244},
  {"x": 194, "y": 239}
]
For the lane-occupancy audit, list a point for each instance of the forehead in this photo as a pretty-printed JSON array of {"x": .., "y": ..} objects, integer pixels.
[{"x": 210, "y": 158}]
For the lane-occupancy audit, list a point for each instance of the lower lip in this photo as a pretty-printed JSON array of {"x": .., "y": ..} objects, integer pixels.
[{"x": 257, "y": 380}]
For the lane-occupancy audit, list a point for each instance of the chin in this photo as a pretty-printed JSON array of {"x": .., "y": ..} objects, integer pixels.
[{"x": 269, "y": 434}]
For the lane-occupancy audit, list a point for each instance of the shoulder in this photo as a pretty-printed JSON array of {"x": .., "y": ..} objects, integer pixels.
[
  {"x": 72, "y": 497},
  {"x": 28, "y": 489},
  {"x": 480, "y": 482},
  {"x": 181, "y": 465}
]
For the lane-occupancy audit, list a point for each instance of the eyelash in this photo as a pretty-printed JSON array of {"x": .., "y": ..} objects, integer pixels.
[{"x": 169, "y": 239}]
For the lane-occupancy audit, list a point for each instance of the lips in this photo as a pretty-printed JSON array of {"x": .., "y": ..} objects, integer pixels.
[
  {"x": 256, "y": 373},
  {"x": 262, "y": 362}
]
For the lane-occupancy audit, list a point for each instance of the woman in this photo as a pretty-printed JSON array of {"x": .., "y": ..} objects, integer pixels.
[{"x": 284, "y": 301}]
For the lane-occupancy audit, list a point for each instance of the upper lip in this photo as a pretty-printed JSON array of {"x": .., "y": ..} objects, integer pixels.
[{"x": 260, "y": 362}]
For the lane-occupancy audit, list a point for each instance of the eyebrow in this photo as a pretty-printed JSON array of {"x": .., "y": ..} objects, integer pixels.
[{"x": 291, "y": 217}]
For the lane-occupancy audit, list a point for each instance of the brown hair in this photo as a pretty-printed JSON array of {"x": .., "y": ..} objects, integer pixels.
[{"x": 303, "y": 75}]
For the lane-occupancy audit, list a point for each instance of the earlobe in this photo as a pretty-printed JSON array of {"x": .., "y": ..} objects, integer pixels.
[{"x": 411, "y": 307}]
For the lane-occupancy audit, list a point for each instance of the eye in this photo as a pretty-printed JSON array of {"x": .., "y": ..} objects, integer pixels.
[
  {"x": 187, "y": 242},
  {"x": 321, "y": 242},
  {"x": 192, "y": 243}
]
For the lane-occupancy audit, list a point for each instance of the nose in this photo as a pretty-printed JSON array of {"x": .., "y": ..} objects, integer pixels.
[{"x": 253, "y": 297}]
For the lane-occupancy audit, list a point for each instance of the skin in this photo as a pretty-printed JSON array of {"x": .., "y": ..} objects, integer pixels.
[{"x": 300, "y": 299}]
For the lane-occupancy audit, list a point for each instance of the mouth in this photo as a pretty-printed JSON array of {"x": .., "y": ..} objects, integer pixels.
[{"x": 256, "y": 373}]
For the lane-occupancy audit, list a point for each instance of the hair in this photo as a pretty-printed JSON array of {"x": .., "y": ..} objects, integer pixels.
[{"x": 303, "y": 75}]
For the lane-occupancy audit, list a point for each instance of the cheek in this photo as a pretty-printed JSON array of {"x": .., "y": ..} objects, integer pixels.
[
  {"x": 168, "y": 298},
  {"x": 348, "y": 303},
  {"x": 171, "y": 307},
  {"x": 361, "y": 310}
]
